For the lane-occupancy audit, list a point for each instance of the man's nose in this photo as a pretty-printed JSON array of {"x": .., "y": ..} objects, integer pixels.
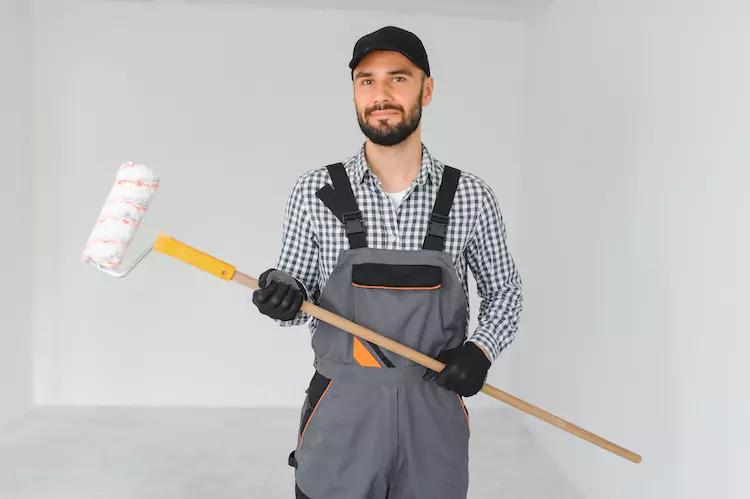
[{"x": 382, "y": 92}]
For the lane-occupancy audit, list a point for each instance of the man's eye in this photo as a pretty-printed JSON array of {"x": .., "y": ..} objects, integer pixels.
[
  {"x": 398, "y": 78},
  {"x": 366, "y": 82}
]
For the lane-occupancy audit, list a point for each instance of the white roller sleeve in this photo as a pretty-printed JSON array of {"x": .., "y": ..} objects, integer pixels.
[{"x": 125, "y": 207}]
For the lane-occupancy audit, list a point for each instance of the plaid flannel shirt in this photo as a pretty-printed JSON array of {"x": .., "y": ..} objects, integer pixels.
[{"x": 313, "y": 237}]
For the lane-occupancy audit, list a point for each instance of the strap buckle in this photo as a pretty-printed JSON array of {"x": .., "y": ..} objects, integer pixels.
[
  {"x": 438, "y": 225},
  {"x": 353, "y": 222}
]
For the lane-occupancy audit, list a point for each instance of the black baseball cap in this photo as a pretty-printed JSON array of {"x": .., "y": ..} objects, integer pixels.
[{"x": 391, "y": 38}]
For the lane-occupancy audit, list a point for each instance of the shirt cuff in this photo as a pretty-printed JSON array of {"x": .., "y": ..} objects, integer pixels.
[{"x": 489, "y": 343}]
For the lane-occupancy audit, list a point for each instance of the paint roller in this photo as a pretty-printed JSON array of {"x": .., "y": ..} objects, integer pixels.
[{"x": 124, "y": 211}]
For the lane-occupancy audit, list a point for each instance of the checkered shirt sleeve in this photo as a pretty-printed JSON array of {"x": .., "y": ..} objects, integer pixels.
[
  {"x": 498, "y": 280},
  {"x": 299, "y": 249}
]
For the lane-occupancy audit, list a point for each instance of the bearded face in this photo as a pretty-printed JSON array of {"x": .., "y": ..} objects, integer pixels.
[{"x": 389, "y": 94}]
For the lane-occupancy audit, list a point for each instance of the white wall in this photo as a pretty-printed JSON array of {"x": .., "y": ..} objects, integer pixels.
[
  {"x": 502, "y": 9},
  {"x": 230, "y": 105},
  {"x": 635, "y": 243},
  {"x": 15, "y": 202}
]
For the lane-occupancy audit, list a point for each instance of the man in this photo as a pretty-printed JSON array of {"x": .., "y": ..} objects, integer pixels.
[{"x": 384, "y": 239}]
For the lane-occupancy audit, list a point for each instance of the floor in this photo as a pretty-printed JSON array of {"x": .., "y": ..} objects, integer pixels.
[{"x": 127, "y": 453}]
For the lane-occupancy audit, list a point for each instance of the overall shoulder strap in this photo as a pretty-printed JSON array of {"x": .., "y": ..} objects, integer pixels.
[
  {"x": 341, "y": 201},
  {"x": 437, "y": 228}
]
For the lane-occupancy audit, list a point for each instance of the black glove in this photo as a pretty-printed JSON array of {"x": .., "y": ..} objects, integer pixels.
[
  {"x": 465, "y": 369},
  {"x": 279, "y": 296}
]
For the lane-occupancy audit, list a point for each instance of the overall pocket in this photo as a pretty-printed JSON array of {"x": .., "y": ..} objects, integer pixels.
[
  {"x": 465, "y": 411},
  {"x": 397, "y": 277},
  {"x": 319, "y": 386},
  {"x": 401, "y": 302}
]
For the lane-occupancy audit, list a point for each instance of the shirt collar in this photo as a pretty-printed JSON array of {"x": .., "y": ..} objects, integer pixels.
[{"x": 428, "y": 172}]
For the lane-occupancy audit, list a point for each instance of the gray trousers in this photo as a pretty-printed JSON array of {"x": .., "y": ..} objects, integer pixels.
[{"x": 377, "y": 434}]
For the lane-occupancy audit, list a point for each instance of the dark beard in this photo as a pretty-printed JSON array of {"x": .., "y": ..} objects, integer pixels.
[{"x": 385, "y": 134}]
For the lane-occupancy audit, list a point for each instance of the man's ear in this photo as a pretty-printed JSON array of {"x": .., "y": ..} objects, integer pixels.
[{"x": 427, "y": 88}]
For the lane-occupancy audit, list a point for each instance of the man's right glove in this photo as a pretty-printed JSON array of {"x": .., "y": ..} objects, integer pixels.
[{"x": 279, "y": 296}]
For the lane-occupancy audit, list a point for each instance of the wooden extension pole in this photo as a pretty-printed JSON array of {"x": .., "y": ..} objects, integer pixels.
[
  {"x": 437, "y": 366},
  {"x": 170, "y": 246}
]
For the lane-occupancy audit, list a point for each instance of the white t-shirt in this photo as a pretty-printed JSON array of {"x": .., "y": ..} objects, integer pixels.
[{"x": 397, "y": 197}]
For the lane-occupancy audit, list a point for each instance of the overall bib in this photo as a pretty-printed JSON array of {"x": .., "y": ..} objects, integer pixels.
[{"x": 371, "y": 427}]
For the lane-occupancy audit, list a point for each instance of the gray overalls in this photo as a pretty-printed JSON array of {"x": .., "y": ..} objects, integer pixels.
[{"x": 371, "y": 427}]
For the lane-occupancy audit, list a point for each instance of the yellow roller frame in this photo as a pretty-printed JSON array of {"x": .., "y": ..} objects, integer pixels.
[{"x": 181, "y": 251}]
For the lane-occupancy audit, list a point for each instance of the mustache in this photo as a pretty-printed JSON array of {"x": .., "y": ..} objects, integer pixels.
[{"x": 383, "y": 107}]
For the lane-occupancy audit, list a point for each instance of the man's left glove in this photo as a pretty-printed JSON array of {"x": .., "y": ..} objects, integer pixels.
[
  {"x": 465, "y": 369},
  {"x": 279, "y": 296}
]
